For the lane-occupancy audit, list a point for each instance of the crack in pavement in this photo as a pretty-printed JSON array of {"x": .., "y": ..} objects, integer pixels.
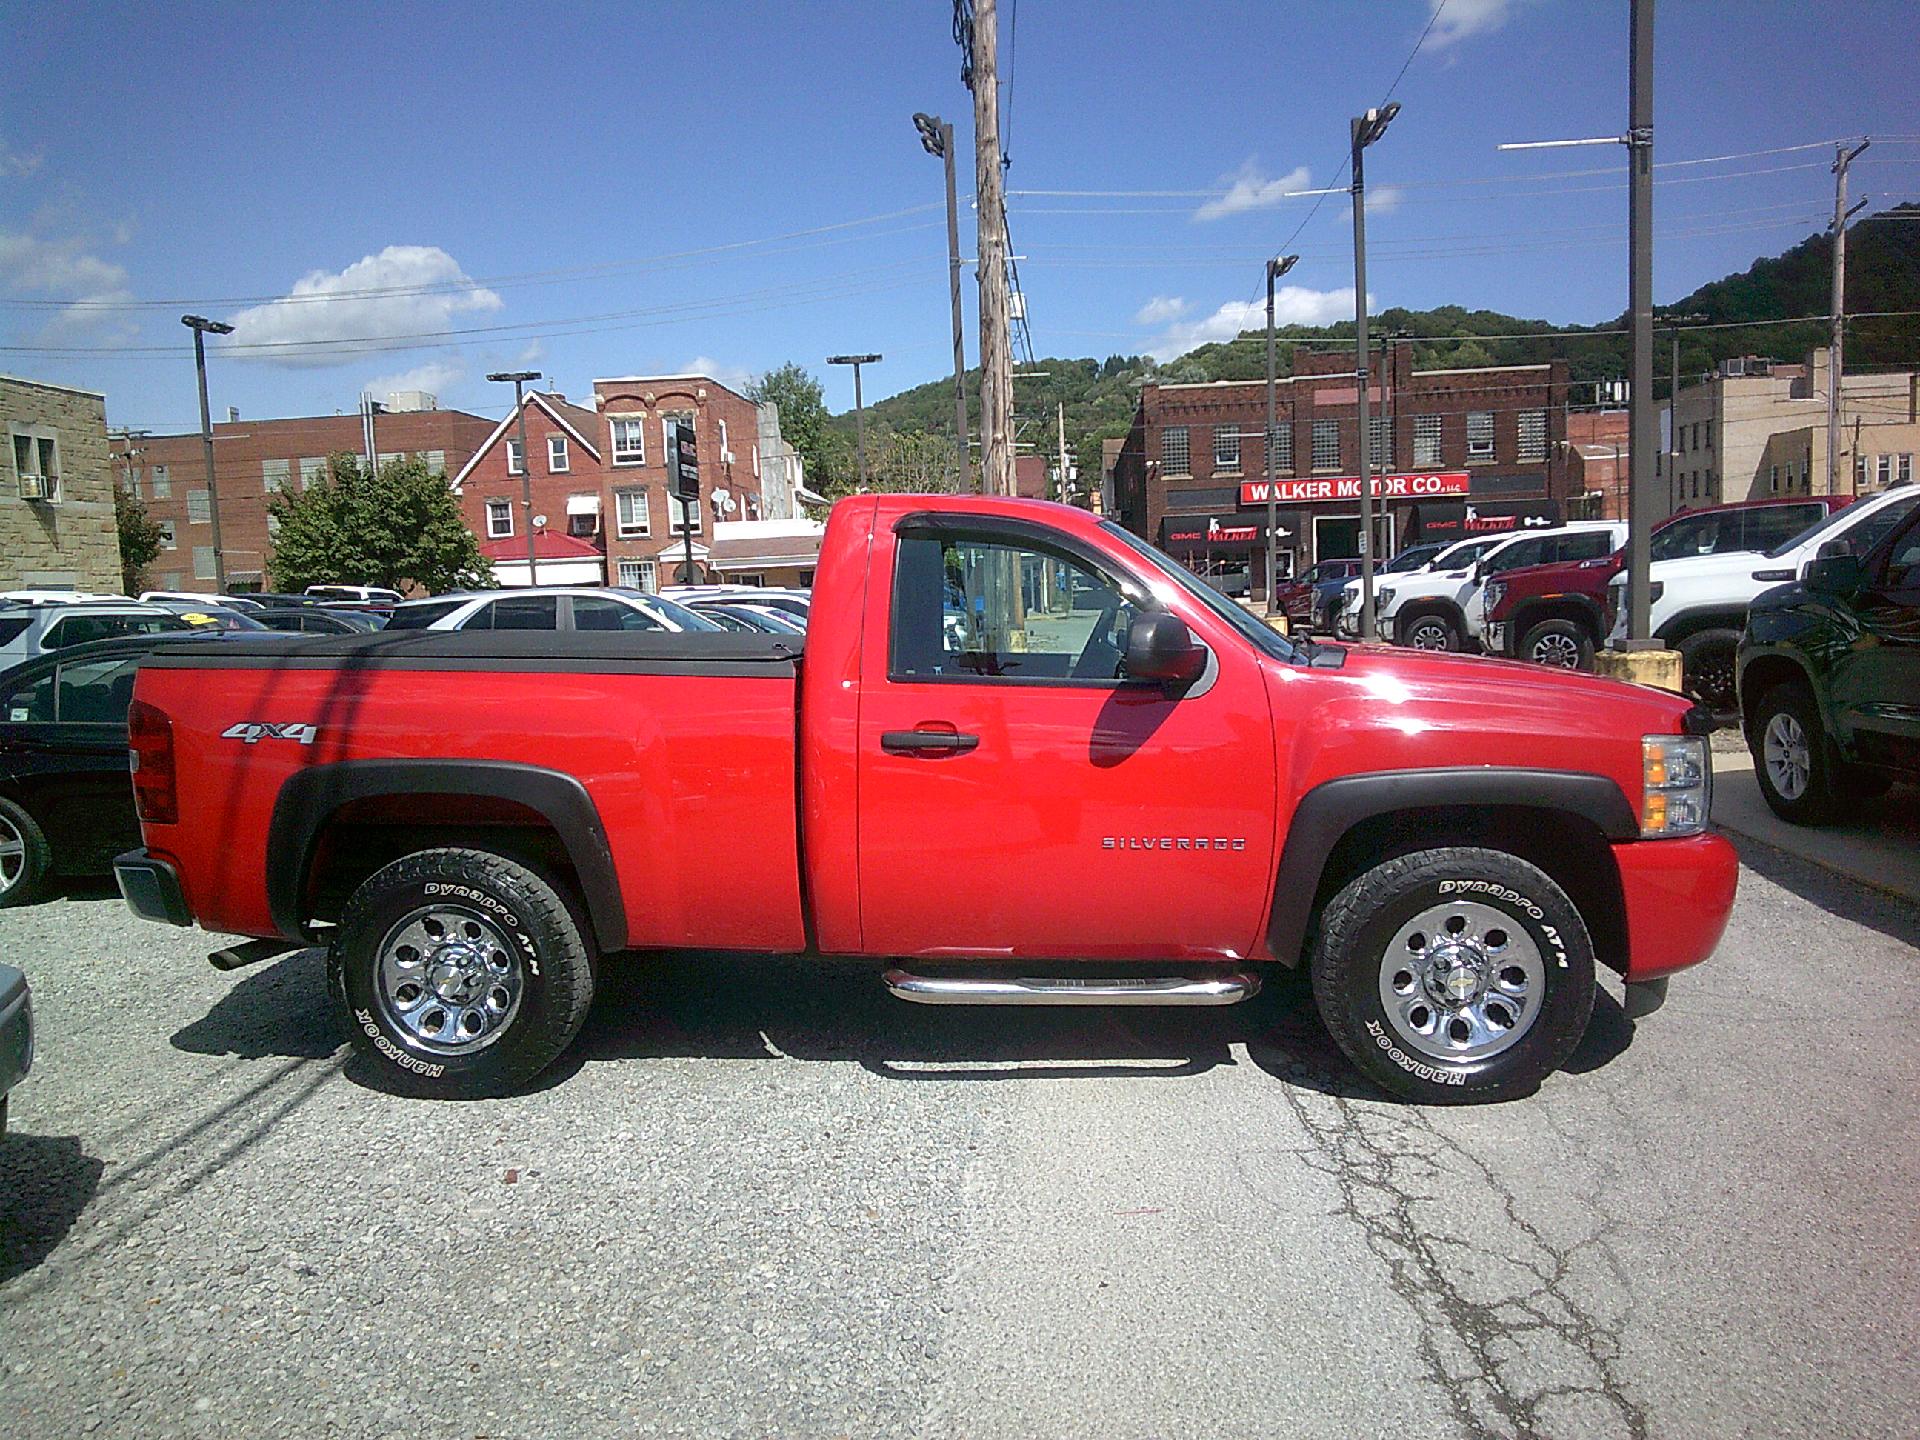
[{"x": 1504, "y": 1334}]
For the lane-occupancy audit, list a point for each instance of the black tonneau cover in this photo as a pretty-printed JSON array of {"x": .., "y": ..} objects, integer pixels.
[{"x": 642, "y": 652}]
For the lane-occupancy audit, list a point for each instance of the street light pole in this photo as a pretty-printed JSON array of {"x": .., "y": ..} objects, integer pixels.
[
  {"x": 859, "y": 407},
  {"x": 936, "y": 137},
  {"x": 202, "y": 327},
  {"x": 1365, "y": 129},
  {"x": 1276, "y": 267},
  {"x": 519, "y": 379}
]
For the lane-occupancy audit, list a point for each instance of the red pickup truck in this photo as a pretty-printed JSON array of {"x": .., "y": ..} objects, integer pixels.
[{"x": 1025, "y": 758}]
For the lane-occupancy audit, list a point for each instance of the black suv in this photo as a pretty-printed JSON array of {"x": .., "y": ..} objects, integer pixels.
[{"x": 1829, "y": 678}]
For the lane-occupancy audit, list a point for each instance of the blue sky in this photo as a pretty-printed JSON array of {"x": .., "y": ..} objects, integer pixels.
[{"x": 605, "y": 190}]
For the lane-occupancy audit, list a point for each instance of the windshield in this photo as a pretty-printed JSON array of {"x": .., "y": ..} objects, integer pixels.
[
  {"x": 1262, "y": 637},
  {"x": 1464, "y": 552},
  {"x": 1412, "y": 559},
  {"x": 1872, "y": 525},
  {"x": 669, "y": 613}
]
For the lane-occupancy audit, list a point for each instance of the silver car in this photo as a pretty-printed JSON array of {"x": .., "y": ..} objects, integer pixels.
[{"x": 29, "y": 631}]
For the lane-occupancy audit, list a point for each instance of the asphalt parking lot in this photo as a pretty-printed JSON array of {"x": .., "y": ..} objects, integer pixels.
[{"x": 765, "y": 1198}]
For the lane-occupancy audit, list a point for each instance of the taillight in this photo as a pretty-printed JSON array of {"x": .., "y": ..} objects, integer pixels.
[{"x": 150, "y": 737}]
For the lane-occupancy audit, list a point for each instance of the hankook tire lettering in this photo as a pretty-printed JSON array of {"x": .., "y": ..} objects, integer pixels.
[{"x": 393, "y": 1052}]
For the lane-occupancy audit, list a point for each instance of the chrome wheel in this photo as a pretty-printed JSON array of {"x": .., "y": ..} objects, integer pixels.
[
  {"x": 13, "y": 855},
  {"x": 1788, "y": 757},
  {"x": 1557, "y": 649},
  {"x": 450, "y": 979},
  {"x": 1462, "y": 981}
]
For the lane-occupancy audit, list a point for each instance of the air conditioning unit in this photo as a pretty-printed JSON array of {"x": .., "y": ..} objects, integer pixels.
[
  {"x": 726, "y": 457},
  {"x": 35, "y": 487}
]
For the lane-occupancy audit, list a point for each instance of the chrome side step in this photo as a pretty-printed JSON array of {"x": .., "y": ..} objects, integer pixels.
[{"x": 1227, "y": 988}]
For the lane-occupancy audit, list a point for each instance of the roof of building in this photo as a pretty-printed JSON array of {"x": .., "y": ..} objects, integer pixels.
[
  {"x": 553, "y": 405},
  {"x": 50, "y": 385}
]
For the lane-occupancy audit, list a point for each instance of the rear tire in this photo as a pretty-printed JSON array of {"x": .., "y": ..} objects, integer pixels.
[
  {"x": 1431, "y": 631},
  {"x": 1791, "y": 757},
  {"x": 1562, "y": 644},
  {"x": 1454, "y": 976},
  {"x": 1707, "y": 667},
  {"x": 26, "y": 860},
  {"x": 461, "y": 974}
]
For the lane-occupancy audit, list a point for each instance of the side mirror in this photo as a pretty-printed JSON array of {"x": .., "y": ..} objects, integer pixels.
[
  {"x": 1160, "y": 648},
  {"x": 1839, "y": 575}
]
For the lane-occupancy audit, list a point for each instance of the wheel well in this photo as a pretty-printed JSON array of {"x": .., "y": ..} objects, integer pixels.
[
  {"x": 1766, "y": 672},
  {"x": 1569, "y": 848},
  {"x": 1420, "y": 609},
  {"x": 362, "y": 836},
  {"x": 1531, "y": 615},
  {"x": 1685, "y": 627}
]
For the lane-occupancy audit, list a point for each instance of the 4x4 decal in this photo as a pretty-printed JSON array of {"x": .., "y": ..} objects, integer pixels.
[{"x": 251, "y": 731}]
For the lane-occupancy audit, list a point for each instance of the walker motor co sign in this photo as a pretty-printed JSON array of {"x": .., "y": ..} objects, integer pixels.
[{"x": 1410, "y": 486}]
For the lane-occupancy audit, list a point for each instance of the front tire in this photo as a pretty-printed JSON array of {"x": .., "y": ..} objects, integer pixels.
[
  {"x": 1454, "y": 976},
  {"x": 1707, "y": 667},
  {"x": 1791, "y": 757},
  {"x": 26, "y": 860},
  {"x": 1430, "y": 632},
  {"x": 1562, "y": 644},
  {"x": 462, "y": 974}
]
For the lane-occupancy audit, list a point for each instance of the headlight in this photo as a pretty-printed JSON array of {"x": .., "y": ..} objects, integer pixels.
[
  {"x": 1382, "y": 599},
  {"x": 1677, "y": 786},
  {"x": 1496, "y": 592}
]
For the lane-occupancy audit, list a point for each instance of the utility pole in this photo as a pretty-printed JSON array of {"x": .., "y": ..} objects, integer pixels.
[
  {"x": 1842, "y": 158},
  {"x": 1643, "y": 429},
  {"x": 520, "y": 379},
  {"x": 202, "y": 327},
  {"x": 1366, "y": 129},
  {"x": 936, "y": 137},
  {"x": 859, "y": 407},
  {"x": 1060, "y": 486},
  {"x": 1276, "y": 267},
  {"x": 996, "y": 348}
]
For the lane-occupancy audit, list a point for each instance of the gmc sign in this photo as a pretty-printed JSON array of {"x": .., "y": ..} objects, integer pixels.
[{"x": 1409, "y": 486}]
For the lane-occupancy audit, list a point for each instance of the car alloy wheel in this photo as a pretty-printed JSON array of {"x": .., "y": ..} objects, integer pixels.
[
  {"x": 1461, "y": 982},
  {"x": 13, "y": 854},
  {"x": 1788, "y": 757},
  {"x": 1557, "y": 649},
  {"x": 1430, "y": 635}
]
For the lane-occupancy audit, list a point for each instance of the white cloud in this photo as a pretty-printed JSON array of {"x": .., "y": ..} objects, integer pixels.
[
  {"x": 65, "y": 266},
  {"x": 1253, "y": 190},
  {"x": 1463, "y": 19},
  {"x": 403, "y": 291},
  {"x": 1384, "y": 199},
  {"x": 433, "y": 376},
  {"x": 1161, "y": 309},
  {"x": 1292, "y": 305},
  {"x": 734, "y": 377}
]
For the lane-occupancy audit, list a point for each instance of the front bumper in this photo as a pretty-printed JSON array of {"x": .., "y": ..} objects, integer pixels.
[
  {"x": 151, "y": 888},
  {"x": 1495, "y": 638},
  {"x": 16, "y": 1028},
  {"x": 1679, "y": 894}
]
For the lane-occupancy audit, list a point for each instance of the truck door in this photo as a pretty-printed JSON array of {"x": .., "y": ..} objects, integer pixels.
[
  {"x": 1017, "y": 795},
  {"x": 1876, "y": 679}
]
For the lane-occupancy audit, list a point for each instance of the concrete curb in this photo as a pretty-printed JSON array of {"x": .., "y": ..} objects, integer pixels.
[{"x": 1880, "y": 850}]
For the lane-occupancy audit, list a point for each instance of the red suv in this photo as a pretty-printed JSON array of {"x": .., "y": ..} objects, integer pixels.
[{"x": 1557, "y": 614}]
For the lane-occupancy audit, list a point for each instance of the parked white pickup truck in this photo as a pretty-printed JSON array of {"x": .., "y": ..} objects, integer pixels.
[{"x": 1699, "y": 602}]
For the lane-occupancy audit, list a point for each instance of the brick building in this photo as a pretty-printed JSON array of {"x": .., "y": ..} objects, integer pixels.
[
  {"x": 599, "y": 474},
  {"x": 57, "y": 530},
  {"x": 1461, "y": 450},
  {"x": 1598, "y": 449},
  {"x": 255, "y": 459}
]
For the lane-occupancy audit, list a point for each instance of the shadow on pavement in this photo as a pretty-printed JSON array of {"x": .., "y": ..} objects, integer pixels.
[
  {"x": 276, "y": 1009},
  {"x": 46, "y": 1181},
  {"x": 1833, "y": 893}
]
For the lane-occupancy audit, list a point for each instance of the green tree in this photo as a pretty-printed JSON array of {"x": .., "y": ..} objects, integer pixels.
[
  {"x": 908, "y": 462},
  {"x": 803, "y": 422},
  {"x": 399, "y": 527},
  {"x": 140, "y": 537}
]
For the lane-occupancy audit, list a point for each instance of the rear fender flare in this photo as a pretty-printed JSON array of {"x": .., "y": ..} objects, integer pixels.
[
  {"x": 309, "y": 799},
  {"x": 1328, "y": 811}
]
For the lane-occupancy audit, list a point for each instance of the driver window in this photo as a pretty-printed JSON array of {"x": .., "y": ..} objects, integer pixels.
[{"x": 983, "y": 609}]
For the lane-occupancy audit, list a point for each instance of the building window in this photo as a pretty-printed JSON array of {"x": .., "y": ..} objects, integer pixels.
[
  {"x": 203, "y": 562},
  {"x": 1174, "y": 456},
  {"x": 1859, "y": 472},
  {"x": 1479, "y": 435},
  {"x": 199, "y": 508},
  {"x": 583, "y": 516},
  {"x": 274, "y": 475},
  {"x": 130, "y": 482},
  {"x": 499, "y": 519},
  {"x": 1226, "y": 447},
  {"x": 667, "y": 424},
  {"x": 638, "y": 575},
  {"x": 273, "y": 526},
  {"x": 1533, "y": 434},
  {"x": 557, "y": 455},
  {"x": 1903, "y": 470},
  {"x": 386, "y": 458},
  {"x": 1426, "y": 441},
  {"x": 1883, "y": 470},
  {"x": 167, "y": 542},
  {"x": 630, "y": 512},
  {"x": 1326, "y": 444},
  {"x": 37, "y": 456},
  {"x": 1282, "y": 440},
  {"x": 1379, "y": 443},
  {"x": 726, "y": 455},
  {"x": 162, "y": 482},
  {"x": 1773, "y": 479},
  {"x": 629, "y": 434},
  {"x": 682, "y": 515},
  {"x": 313, "y": 470},
  {"x": 1709, "y": 434},
  {"x": 436, "y": 461},
  {"x": 516, "y": 463}
]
